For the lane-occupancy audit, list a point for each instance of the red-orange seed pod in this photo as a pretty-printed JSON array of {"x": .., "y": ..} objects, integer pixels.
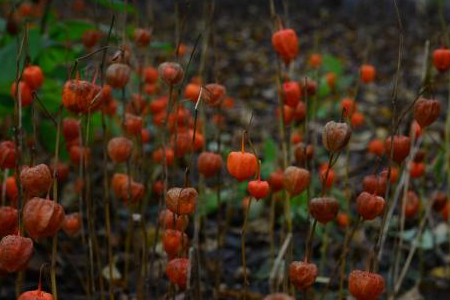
[
  {"x": 276, "y": 180},
  {"x": 171, "y": 73},
  {"x": 292, "y": 93},
  {"x": 365, "y": 285},
  {"x": 367, "y": 73},
  {"x": 174, "y": 242},
  {"x": 15, "y": 252},
  {"x": 9, "y": 220},
  {"x": 141, "y": 37},
  {"x": 167, "y": 220},
  {"x": 33, "y": 76},
  {"x": 120, "y": 149},
  {"x": 42, "y": 217},
  {"x": 426, "y": 111},
  {"x": 80, "y": 96},
  {"x": 302, "y": 274},
  {"x": 177, "y": 270},
  {"x": 25, "y": 93},
  {"x": 72, "y": 224},
  {"x": 181, "y": 201},
  {"x": 36, "y": 180},
  {"x": 402, "y": 145},
  {"x": 285, "y": 42},
  {"x": 240, "y": 164},
  {"x": 209, "y": 163},
  {"x": 296, "y": 180},
  {"x": 370, "y": 206},
  {"x": 7, "y": 155},
  {"x": 324, "y": 209},
  {"x": 441, "y": 59}
]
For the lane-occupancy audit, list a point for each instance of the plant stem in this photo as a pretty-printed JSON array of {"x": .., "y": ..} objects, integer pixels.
[{"x": 244, "y": 264}]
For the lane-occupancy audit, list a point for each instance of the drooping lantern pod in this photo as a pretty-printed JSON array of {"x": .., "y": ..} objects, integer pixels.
[
  {"x": 441, "y": 59},
  {"x": 15, "y": 252},
  {"x": 168, "y": 220},
  {"x": 33, "y": 76},
  {"x": 426, "y": 111},
  {"x": 192, "y": 91},
  {"x": 330, "y": 79},
  {"x": 171, "y": 73},
  {"x": 412, "y": 204},
  {"x": 394, "y": 173},
  {"x": 209, "y": 163},
  {"x": 376, "y": 147},
  {"x": 117, "y": 75},
  {"x": 296, "y": 180},
  {"x": 401, "y": 147},
  {"x": 12, "y": 191},
  {"x": 181, "y": 201},
  {"x": 296, "y": 138},
  {"x": 36, "y": 180},
  {"x": 302, "y": 274},
  {"x": 374, "y": 184},
  {"x": 365, "y": 285},
  {"x": 291, "y": 93},
  {"x": 416, "y": 169},
  {"x": 158, "y": 156},
  {"x": 367, "y": 73},
  {"x": 342, "y": 220},
  {"x": 302, "y": 155},
  {"x": 120, "y": 149},
  {"x": 24, "y": 94},
  {"x": 175, "y": 242},
  {"x": 137, "y": 104},
  {"x": 326, "y": 176},
  {"x": 370, "y": 206},
  {"x": 7, "y": 155},
  {"x": 349, "y": 107},
  {"x": 276, "y": 180},
  {"x": 91, "y": 37},
  {"x": 80, "y": 96},
  {"x": 36, "y": 294},
  {"x": 79, "y": 154},
  {"x": 240, "y": 164},
  {"x": 72, "y": 224},
  {"x": 300, "y": 111},
  {"x": 62, "y": 170},
  {"x": 182, "y": 144},
  {"x": 141, "y": 37},
  {"x": 357, "y": 120},
  {"x": 150, "y": 75},
  {"x": 42, "y": 217},
  {"x": 324, "y": 209},
  {"x": 439, "y": 201},
  {"x": 285, "y": 43},
  {"x": 133, "y": 124},
  {"x": 315, "y": 60},
  {"x": 71, "y": 129},
  {"x": 158, "y": 105},
  {"x": 214, "y": 94},
  {"x": 126, "y": 189},
  {"x": 258, "y": 188},
  {"x": 335, "y": 136},
  {"x": 9, "y": 220},
  {"x": 177, "y": 271}
]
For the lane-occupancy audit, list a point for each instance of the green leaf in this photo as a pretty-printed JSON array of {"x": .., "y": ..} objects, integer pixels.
[
  {"x": 117, "y": 5},
  {"x": 71, "y": 30},
  {"x": 162, "y": 46},
  {"x": 332, "y": 64},
  {"x": 269, "y": 150}
]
